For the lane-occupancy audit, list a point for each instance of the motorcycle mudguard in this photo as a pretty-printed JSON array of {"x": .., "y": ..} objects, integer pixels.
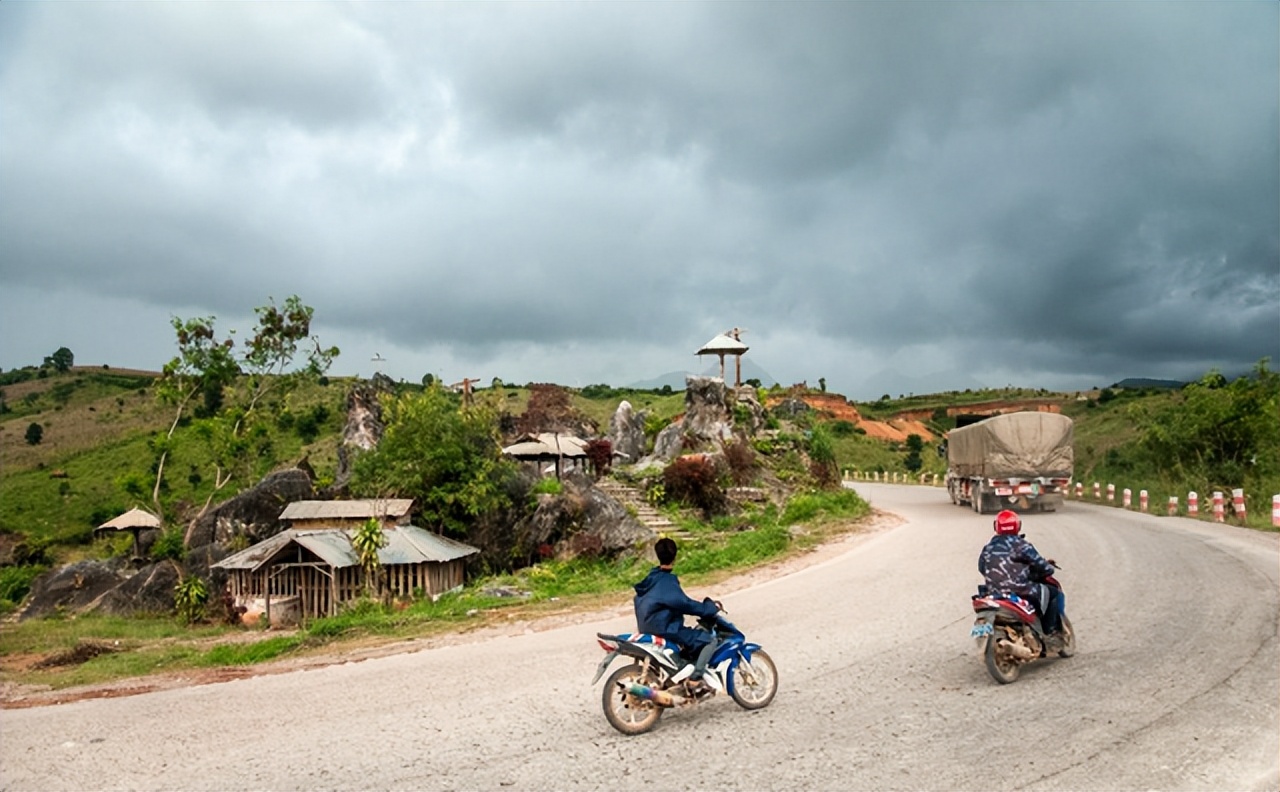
[
  {"x": 984, "y": 625},
  {"x": 603, "y": 665}
]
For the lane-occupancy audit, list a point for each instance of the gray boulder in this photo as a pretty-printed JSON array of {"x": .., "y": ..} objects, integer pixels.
[
  {"x": 582, "y": 520},
  {"x": 254, "y": 513},
  {"x": 73, "y": 588},
  {"x": 148, "y": 592},
  {"x": 626, "y": 432}
]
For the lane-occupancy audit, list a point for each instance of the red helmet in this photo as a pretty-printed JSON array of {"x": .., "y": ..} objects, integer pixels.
[{"x": 1008, "y": 522}]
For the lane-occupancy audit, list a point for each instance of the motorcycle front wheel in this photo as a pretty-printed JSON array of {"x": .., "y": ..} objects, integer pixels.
[
  {"x": 627, "y": 713},
  {"x": 1001, "y": 665},
  {"x": 755, "y": 684}
]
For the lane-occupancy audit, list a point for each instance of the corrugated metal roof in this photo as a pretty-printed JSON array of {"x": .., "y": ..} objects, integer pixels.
[
  {"x": 406, "y": 544},
  {"x": 346, "y": 510}
]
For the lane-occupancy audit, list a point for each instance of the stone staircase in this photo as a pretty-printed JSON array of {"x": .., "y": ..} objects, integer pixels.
[{"x": 648, "y": 516}]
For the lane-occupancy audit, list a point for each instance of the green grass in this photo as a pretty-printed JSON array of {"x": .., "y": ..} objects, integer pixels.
[{"x": 149, "y": 645}]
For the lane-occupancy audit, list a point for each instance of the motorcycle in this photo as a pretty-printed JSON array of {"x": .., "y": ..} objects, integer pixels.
[
  {"x": 657, "y": 679},
  {"x": 1010, "y": 633}
]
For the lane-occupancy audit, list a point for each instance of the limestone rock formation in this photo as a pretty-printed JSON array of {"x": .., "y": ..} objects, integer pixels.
[{"x": 626, "y": 432}]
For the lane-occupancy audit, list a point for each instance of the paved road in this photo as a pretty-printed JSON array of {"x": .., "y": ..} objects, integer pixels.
[{"x": 1175, "y": 686}]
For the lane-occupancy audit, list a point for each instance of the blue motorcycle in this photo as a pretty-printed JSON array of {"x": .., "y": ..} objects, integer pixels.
[{"x": 657, "y": 679}]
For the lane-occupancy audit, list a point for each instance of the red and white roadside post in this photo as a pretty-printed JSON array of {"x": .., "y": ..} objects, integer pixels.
[
  {"x": 1080, "y": 489},
  {"x": 1237, "y": 504},
  {"x": 1142, "y": 501},
  {"x": 1275, "y": 510},
  {"x": 1219, "y": 510},
  {"x": 1173, "y": 505},
  {"x": 1193, "y": 505},
  {"x": 1111, "y": 493},
  {"x": 1128, "y": 497},
  {"x": 1097, "y": 491}
]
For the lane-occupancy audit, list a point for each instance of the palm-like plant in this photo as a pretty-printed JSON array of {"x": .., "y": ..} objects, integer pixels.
[{"x": 367, "y": 540}]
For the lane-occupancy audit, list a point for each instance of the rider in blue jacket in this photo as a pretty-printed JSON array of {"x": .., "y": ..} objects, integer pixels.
[{"x": 661, "y": 606}]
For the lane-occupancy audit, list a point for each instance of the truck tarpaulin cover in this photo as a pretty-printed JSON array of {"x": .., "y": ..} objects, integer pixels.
[{"x": 1015, "y": 445}]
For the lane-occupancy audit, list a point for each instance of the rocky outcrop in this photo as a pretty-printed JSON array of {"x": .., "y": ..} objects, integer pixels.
[
  {"x": 148, "y": 592},
  {"x": 254, "y": 513},
  {"x": 582, "y": 520},
  {"x": 364, "y": 425},
  {"x": 626, "y": 432},
  {"x": 75, "y": 587},
  {"x": 708, "y": 419}
]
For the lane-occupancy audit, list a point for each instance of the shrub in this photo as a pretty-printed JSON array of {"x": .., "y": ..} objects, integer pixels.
[
  {"x": 168, "y": 545},
  {"x": 741, "y": 459},
  {"x": 600, "y": 454},
  {"x": 694, "y": 481},
  {"x": 190, "y": 596},
  {"x": 15, "y": 583},
  {"x": 35, "y": 433}
]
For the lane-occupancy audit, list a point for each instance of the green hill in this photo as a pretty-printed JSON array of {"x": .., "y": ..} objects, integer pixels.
[{"x": 98, "y": 429}]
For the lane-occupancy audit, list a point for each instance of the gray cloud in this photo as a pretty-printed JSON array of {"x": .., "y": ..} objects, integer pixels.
[{"x": 888, "y": 196}]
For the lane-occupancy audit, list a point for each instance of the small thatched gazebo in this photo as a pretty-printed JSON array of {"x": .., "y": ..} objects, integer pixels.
[
  {"x": 134, "y": 521},
  {"x": 726, "y": 344},
  {"x": 549, "y": 447}
]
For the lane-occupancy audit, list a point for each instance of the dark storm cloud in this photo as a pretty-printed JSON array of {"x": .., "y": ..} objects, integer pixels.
[{"x": 947, "y": 194}]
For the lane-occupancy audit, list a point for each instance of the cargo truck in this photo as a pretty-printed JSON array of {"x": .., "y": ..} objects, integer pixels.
[{"x": 1020, "y": 461}]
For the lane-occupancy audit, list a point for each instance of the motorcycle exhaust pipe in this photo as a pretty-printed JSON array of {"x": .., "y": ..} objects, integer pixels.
[
  {"x": 660, "y": 697},
  {"x": 1017, "y": 650}
]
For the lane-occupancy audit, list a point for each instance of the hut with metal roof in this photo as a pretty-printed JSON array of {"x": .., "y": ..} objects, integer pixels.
[{"x": 307, "y": 572}]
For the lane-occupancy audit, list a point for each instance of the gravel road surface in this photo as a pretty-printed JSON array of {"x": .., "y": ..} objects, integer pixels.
[{"x": 1176, "y": 686}]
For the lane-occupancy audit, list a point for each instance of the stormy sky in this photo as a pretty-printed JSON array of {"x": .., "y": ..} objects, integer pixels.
[{"x": 892, "y": 197}]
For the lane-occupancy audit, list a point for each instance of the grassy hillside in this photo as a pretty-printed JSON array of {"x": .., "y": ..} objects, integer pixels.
[{"x": 95, "y": 458}]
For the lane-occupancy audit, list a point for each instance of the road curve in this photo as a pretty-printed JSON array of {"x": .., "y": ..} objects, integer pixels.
[{"x": 1175, "y": 686}]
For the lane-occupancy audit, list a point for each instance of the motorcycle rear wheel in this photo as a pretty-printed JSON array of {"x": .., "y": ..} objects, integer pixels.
[
  {"x": 627, "y": 713},
  {"x": 1068, "y": 638},
  {"x": 1002, "y": 667},
  {"x": 753, "y": 688}
]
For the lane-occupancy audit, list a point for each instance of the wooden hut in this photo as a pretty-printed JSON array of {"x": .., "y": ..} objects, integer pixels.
[{"x": 310, "y": 569}]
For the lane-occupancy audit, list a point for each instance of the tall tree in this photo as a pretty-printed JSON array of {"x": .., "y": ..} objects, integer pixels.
[
  {"x": 279, "y": 354},
  {"x": 446, "y": 457}
]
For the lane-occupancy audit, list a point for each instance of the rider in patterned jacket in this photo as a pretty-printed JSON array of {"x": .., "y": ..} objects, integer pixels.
[{"x": 1011, "y": 565}]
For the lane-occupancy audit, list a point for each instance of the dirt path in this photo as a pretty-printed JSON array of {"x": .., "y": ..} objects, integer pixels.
[{"x": 498, "y": 624}]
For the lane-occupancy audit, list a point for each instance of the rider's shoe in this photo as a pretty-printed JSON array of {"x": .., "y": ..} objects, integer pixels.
[
  {"x": 697, "y": 687},
  {"x": 1055, "y": 642}
]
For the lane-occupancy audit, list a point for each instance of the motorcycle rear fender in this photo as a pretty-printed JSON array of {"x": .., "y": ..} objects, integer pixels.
[{"x": 600, "y": 669}]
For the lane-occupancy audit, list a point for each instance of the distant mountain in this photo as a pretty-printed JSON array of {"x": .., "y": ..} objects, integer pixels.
[{"x": 1142, "y": 382}]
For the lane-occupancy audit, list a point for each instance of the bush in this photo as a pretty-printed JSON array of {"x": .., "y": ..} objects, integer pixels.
[
  {"x": 35, "y": 433},
  {"x": 741, "y": 458},
  {"x": 600, "y": 454},
  {"x": 15, "y": 583},
  {"x": 694, "y": 481},
  {"x": 168, "y": 545},
  {"x": 190, "y": 596}
]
